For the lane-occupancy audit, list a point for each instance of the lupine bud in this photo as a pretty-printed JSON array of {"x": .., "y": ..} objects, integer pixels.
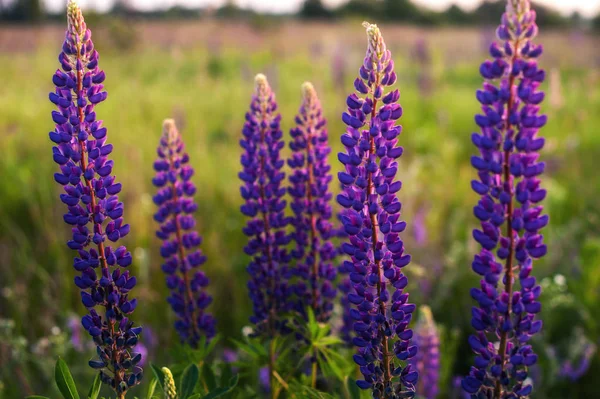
[
  {"x": 312, "y": 228},
  {"x": 180, "y": 249},
  {"x": 264, "y": 205},
  {"x": 427, "y": 360},
  {"x": 371, "y": 219},
  {"x": 509, "y": 210},
  {"x": 170, "y": 391},
  {"x": 94, "y": 210}
]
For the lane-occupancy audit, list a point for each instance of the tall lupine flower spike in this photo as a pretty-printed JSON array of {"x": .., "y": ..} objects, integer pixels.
[
  {"x": 427, "y": 360},
  {"x": 176, "y": 206},
  {"x": 372, "y": 221},
  {"x": 94, "y": 210},
  {"x": 312, "y": 228},
  {"x": 262, "y": 176},
  {"x": 509, "y": 210}
]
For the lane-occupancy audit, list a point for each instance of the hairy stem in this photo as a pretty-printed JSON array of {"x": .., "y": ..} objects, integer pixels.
[
  {"x": 101, "y": 251},
  {"x": 182, "y": 257},
  {"x": 374, "y": 241},
  {"x": 508, "y": 269}
]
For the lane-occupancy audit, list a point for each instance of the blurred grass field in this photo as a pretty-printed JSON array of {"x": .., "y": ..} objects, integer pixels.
[{"x": 202, "y": 75}]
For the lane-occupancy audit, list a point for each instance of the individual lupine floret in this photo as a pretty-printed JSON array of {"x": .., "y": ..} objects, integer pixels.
[
  {"x": 312, "y": 228},
  {"x": 94, "y": 210},
  {"x": 427, "y": 360},
  {"x": 509, "y": 210},
  {"x": 372, "y": 221},
  {"x": 262, "y": 192},
  {"x": 180, "y": 248}
]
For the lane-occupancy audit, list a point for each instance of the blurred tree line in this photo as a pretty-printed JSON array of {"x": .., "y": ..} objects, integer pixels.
[{"x": 404, "y": 11}]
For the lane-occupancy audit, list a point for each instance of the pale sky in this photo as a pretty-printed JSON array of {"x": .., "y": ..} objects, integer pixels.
[{"x": 586, "y": 7}]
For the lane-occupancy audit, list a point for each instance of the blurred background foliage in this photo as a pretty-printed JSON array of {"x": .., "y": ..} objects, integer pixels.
[{"x": 200, "y": 71}]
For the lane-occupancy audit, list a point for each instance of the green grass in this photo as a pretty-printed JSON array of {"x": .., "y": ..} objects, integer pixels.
[{"x": 208, "y": 95}]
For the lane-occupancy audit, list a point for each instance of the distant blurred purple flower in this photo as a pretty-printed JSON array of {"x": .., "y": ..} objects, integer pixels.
[
  {"x": 263, "y": 379},
  {"x": 94, "y": 210},
  {"x": 427, "y": 360},
  {"x": 575, "y": 372},
  {"x": 230, "y": 356},
  {"x": 180, "y": 248},
  {"x": 339, "y": 67},
  {"x": 74, "y": 325},
  {"x": 508, "y": 170},
  {"x": 419, "y": 227},
  {"x": 421, "y": 54}
]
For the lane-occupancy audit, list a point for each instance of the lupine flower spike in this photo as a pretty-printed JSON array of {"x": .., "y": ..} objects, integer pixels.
[
  {"x": 176, "y": 206},
  {"x": 94, "y": 210},
  {"x": 312, "y": 228},
  {"x": 427, "y": 360},
  {"x": 264, "y": 205},
  {"x": 509, "y": 210},
  {"x": 372, "y": 221},
  {"x": 169, "y": 390}
]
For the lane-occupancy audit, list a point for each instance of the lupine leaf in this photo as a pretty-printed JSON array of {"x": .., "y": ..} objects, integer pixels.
[
  {"x": 189, "y": 379},
  {"x": 95, "y": 388},
  {"x": 352, "y": 389},
  {"x": 208, "y": 377},
  {"x": 299, "y": 390},
  {"x": 151, "y": 388},
  {"x": 160, "y": 377},
  {"x": 218, "y": 392},
  {"x": 64, "y": 380}
]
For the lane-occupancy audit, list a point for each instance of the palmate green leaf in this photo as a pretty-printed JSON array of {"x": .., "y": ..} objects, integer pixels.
[
  {"x": 252, "y": 348},
  {"x": 218, "y": 392},
  {"x": 332, "y": 363},
  {"x": 159, "y": 375},
  {"x": 189, "y": 379},
  {"x": 299, "y": 390},
  {"x": 64, "y": 380},
  {"x": 95, "y": 388}
]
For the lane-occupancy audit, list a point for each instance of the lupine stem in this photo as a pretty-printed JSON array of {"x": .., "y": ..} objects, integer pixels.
[
  {"x": 374, "y": 241},
  {"x": 508, "y": 287},
  {"x": 102, "y": 257},
  {"x": 182, "y": 254},
  {"x": 272, "y": 369}
]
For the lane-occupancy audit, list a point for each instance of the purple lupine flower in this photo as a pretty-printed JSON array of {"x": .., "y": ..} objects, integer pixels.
[
  {"x": 264, "y": 205},
  {"x": 312, "y": 228},
  {"x": 509, "y": 210},
  {"x": 372, "y": 221},
  {"x": 427, "y": 360},
  {"x": 94, "y": 210},
  {"x": 74, "y": 326},
  {"x": 180, "y": 248}
]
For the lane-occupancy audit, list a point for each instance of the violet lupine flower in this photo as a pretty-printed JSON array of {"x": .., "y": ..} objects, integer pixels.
[
  {"x": 312, "y": 228},
  {"x": 94, "y": 210},
  {"x": 262, "y": 191},
  {"x": 509, "y": 210},
  {"x": 372, "y": 221},
  {"x": 183, "y": 258},
  {"x": 427, "y": 360}
]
